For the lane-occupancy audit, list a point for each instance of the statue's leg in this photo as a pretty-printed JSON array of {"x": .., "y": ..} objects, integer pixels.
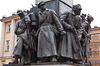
[
  {"x": 17, "y": 50},
  {"x": 29, "y": 57},
  {"x": 15, "y": 61},
  {"x": 53, "y": 59}
]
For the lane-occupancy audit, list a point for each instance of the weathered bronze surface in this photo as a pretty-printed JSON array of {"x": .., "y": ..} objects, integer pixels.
[{"x": 44, "y": 38}]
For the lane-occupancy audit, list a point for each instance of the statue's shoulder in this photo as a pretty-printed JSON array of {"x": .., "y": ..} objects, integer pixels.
[
  {"x": 18, "y": 21},
  {"x": 66, "y": 14},
  {"x": 50, "y": 10}
]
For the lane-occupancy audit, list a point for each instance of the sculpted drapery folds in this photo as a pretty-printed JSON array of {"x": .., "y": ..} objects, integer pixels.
[
  {"x": 86, "y": 36},
  {"x": 70, "y": 44},
  {"x": 50, "y": 26},
  {"x": 25, "y": 40},
  {"x": 49, "y": 38}
]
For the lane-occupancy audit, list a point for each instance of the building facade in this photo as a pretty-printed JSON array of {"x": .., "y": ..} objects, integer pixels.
[
  {"x": 8, "y": 39},
  {"x": 95, "y": 46}
]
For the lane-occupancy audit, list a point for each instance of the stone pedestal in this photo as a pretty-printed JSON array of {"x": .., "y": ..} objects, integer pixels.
[
  {"x": 69, "y": 2},
  {"x": 47, "y": 64},
  {"x": 59, "y": 6}
]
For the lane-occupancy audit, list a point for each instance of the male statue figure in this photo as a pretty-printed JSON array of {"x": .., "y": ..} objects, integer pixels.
[
  {"x": 50, "y": 26},
  {"x": 70, "y": 48},
  {"x": 22, "y": 45}
]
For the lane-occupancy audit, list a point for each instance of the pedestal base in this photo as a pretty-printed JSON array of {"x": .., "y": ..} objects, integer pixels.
[{"x": 47, "y": 64}]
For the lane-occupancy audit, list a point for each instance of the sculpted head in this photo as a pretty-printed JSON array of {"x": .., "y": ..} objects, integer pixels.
[
  {"x": 20, "y": 13},
  {"x": 41, "y": 5},
  {"x": 90, "y": 18},
  {"x": 77, "y": 9}
]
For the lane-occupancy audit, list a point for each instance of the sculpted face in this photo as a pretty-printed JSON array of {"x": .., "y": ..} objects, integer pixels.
[
  {"x": 77, "y": 12},
  {"x": 77, "y": 9},
  {"x": 42, "y": 7},
  {"x": 83, "y": 16}
]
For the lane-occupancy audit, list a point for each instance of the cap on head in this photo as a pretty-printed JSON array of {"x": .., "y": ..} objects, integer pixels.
[
  {"x": 19, "y": 11},
  {"x": 41, "y": 3},
  {"x": 76, "y": 7},
  {"x": 90, "y": 18}
]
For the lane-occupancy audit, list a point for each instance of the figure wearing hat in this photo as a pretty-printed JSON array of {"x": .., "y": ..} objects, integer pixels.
[
  {"x": 70, "y": 49},
  {"x": 22, "y": 45},
  {"x": 50, "y": 27}
]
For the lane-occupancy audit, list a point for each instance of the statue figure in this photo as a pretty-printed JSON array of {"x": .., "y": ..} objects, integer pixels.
[
  {"x": 70, "y": 47},
  {"x": 23, "y": 46},
  {"x": 83, "y": 16},
  {"x": 50, "y": 26},
  {"x": 31, "y": 31},
  {"x": 86, "y": 37}
]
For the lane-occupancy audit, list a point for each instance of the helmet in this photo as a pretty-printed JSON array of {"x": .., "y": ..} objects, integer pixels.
[
  {"x": 19, "y": 11},
  {"x": 77, "y": 6},
  {"x": 41, "y": 3}
]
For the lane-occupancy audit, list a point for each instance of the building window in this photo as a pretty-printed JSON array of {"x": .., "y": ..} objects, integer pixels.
[
  {"x": 90, "y": 51},
  {"x": 7, "y": 45},
  {"x": 8, "y": 27}
]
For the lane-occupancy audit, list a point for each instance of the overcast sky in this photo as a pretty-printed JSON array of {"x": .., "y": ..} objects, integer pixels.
[{"x": 7, "y": 7}]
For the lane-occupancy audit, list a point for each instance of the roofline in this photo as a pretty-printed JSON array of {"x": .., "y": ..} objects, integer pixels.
[
  {"x": 7, "y": 18},
  {"x": 95, "y": 27}
]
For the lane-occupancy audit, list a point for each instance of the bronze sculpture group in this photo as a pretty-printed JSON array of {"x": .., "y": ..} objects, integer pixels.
[{"x": 64, "y": 39}]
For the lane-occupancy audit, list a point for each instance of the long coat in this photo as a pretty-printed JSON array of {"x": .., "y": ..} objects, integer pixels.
[
  {"x": 69, "y": 45},
  {"x": 49, "y": 28},
  {"x": 22, "y": 37}
]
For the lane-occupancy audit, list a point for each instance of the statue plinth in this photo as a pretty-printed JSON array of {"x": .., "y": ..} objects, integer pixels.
[{"x": 47, "y": 64}]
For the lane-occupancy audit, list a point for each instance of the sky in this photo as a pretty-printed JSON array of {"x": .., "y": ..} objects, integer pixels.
[
  {"x": 91, "y": 7},
  {"x": 7, "y": 7}
]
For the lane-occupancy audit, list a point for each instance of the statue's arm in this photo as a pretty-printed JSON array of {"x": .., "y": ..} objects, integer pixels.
[
  {"x": 63, "y": 20},
  {"x": 16, "y": 28},
  {"x": 56, "y": 20}
]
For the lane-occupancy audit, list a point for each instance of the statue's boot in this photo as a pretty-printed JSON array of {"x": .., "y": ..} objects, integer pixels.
[
  {"x": 27, "y": 63},
  {"x": 68, "y": 60},
  {"x": 15, "y": 61},
  {"x": 78, "y": 62},
  {"x": 53, "y": 59}
]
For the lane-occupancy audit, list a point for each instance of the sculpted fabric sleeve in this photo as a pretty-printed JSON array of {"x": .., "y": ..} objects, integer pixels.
[
  {"x": 56, "y": 20},
  {"x": 16, "y": 32},
  {"x": 63, "y": 19}
]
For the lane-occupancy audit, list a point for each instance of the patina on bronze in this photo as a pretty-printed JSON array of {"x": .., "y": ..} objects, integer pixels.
[
  {"x": 70, "y": 48},
  {"x": 25, "y": 40},
  {"x": 85, "y": 41},
  {"x": 44, "y": 37},
  {"x": 50, "y": 26}
]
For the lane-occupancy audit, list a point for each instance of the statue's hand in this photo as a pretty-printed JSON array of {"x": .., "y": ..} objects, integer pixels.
[
  {"x": 88, "y": 35},
  {"x": 33, "y": 23},
  {"x": 63, "y": 32},
  {"x": 20, "y": 31}
]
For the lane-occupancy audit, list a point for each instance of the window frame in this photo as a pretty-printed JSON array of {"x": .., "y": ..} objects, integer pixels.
[
  {"x": 8, "y": 28},
  {"x": 6, "y": 46}
]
